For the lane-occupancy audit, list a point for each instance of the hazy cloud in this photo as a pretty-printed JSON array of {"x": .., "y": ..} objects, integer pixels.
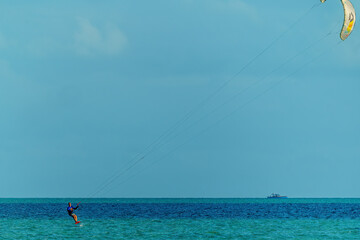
[{"x": 91, "y": 40}]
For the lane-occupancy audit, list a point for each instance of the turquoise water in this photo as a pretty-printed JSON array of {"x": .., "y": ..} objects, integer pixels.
[
  {"x": 180, "y": 229},
  {"x": 181, "y": 219}
]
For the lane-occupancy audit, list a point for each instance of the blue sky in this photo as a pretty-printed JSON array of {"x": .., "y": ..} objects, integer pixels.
[{"x": 87, "y": 85}]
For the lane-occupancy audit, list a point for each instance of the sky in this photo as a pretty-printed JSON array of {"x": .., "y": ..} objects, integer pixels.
[{"x": 178, "y": 98}]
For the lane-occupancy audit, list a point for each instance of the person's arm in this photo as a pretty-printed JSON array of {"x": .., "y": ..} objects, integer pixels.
[{"x": 75, "y": 207}]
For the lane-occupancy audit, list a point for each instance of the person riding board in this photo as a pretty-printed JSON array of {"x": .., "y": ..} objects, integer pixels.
[{"x": 71, "y": 213}]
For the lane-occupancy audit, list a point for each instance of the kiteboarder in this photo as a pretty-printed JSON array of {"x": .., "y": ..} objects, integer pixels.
[{"x": 71, "y": 213}]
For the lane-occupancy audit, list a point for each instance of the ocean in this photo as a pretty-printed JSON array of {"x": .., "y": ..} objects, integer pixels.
[{"x": 181, "y": 219}]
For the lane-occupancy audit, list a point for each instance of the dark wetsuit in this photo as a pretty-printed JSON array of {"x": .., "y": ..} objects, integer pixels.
[{"x": 71, "y": 210}]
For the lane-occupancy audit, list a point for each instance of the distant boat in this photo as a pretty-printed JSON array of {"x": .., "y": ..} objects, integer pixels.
[{"x": 275, "y": 195}]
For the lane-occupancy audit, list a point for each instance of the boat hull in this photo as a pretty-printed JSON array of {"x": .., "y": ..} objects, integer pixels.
[{"x": 283, "y": 197}]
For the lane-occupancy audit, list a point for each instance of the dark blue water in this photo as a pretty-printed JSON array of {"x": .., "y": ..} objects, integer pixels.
[
  {"x": 181, "y": 219},
  {"x": 184, "y": 210}
]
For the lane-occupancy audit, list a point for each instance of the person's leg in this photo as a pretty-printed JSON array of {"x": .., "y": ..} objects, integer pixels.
[{"x": 74, "y": 217}]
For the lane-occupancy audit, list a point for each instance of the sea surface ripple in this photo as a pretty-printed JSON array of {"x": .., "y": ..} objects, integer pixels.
[{"x": 181, "y": 219}]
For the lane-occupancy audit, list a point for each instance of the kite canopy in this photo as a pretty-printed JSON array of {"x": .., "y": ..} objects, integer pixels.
[{"x": 349, "y": 20}]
